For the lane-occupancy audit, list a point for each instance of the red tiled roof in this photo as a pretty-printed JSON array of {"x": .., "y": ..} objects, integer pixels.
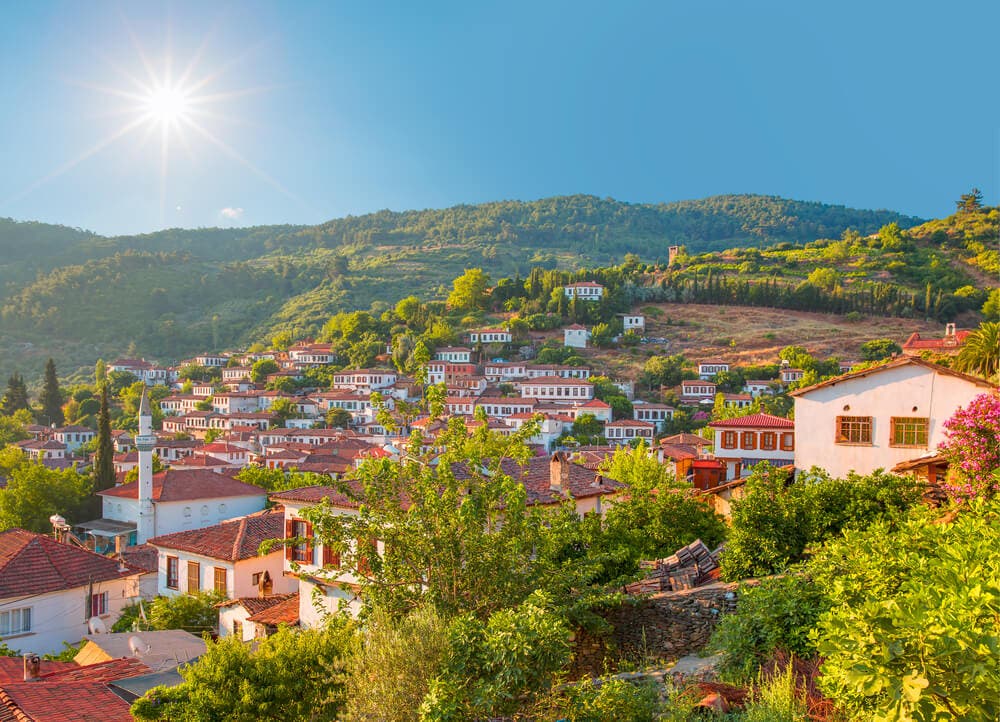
[
  {"x": 588, "y": 284},
  {"x": 686, "y": 439},
  {"x": 257, "y": 604},
  {"x": 71, "y": 695},
  {"x": 555, "y": 380},
  {"x": 762, "y": 420},
  {"x": 229, "y": 541},
  {"x": 12, "y": 668},
  {"x": 915, "y": 343},
  {"x": 286, "y": 611},
  {"x": 187, "y": 484},
  {"x": 631, "y": 424},
  {"x": 36, "y": 564},
  {"x": 142, "y": 557},
  {"x": 315, "y": 494},
  {"x": 595, "y": 404},
  {"x": 892, "y": 364}
]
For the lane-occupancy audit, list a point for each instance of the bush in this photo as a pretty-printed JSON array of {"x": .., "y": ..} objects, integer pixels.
[
  {"x": 776, "y": 521},
  {"x": 605, "y": 699},
  {"x": 777, "y": 615}
]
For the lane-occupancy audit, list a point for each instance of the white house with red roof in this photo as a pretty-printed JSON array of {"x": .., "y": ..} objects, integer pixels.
[
  {"x": 576, "y": 336},
  {"x": 584, "y": 290},
  {"x": 596, "y": 408},
  {"x": 745, "y": 441},
  {"x": 224, "y": 558},
  {"x": 880, "y": 416},
  {"x": 366, "y": 380},
  {"x": 74, "y": 436},
  {"x": 50, "y": 590},
  {"x": 625, "y": 431},
  {"x": 708, "y": 369},
  {"x": 555, "y": 388},
  {"x": 454, "y": 354},
  {"x": 657, "y": 413},
  {"x": 951, "y": 343},
  {"x": 697, "y": 391},
  {"x": 490, "y": 335}
]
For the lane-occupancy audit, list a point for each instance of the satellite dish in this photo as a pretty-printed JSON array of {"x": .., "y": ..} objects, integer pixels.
[
  {"x": 137, "y": 645},
  {"x": 97, "y": 625}
]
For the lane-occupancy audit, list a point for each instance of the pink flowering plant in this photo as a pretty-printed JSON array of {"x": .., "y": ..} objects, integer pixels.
[{"x": 972, "y": 448}]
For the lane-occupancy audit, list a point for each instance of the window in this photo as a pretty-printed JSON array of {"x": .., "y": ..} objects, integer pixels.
[
  {"x": 15, "y": 621},
  {"x": 854, "y": 429},
  {"x": 98, "y": 604},
  {"x": 221, "y": 580},
  {"x": 172, "y": 572},
  {"x": 748, "y": 440},
  {"x": 769, "y": 440},
  {"x": 908, "y": 431},
  {"x": 238, "y": 629},
  {"x": 728, "y": 439},
  {"x": 194, "y": 577},
  {"x": 330, "y": 557},
  {"x": 788, "y": 441},
  {"x": 301, "y": 553}
]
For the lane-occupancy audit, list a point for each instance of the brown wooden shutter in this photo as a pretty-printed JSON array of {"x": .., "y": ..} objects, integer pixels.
[
  {"x": 309, "y": 543},
  {"x": 289, "y": 533}
]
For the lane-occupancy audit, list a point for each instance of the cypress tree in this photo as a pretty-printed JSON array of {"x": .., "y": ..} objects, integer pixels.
[
  {"x": 104, "y": 464},
  {"x": 16, "y": 396},
  {"x": 51, "y": 398}
]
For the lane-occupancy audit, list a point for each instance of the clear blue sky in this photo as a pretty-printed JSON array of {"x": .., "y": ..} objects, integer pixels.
[{"x": 363, "y": 106}]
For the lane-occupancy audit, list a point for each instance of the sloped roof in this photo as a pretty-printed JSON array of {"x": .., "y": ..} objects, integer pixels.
[
  {"x": 915, "y": 343},
  {"x": 12, "y": 669},
  {"x": 257, "y": 604},
  {"x": 286, "y": 611},
  {"x": 894, "y": 364},
  {"x": 315, "y": 494},
  {"x": 759, "y": 420},
  {"x": 187, "y": 485},
  {"x": 36, "y": 564},
  {"x": 230, "y": 540}
]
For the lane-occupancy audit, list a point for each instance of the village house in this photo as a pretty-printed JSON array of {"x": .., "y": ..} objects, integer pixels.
[
  {"x": 595, "y": 407},
  {"x": 490, "y": 335},
  {"x": 760, "y": 387},
  {"x": 708, "y": 369},
  {"x": 309, "y": 355},
  {"x": 634, "y": 322},
  {"x": 788, "y": 375},
  {"x": 625, "y": 431},
  {"x": 534, "y": 371},
  {"x": 584, "y": 291},
  {"x": 504, "y": 371},
  {"x": 250, "y": 618},
  {"x": 49, "y": 452},
  {"x": 49, "y": 591},
  {"x": 224, "y": 558},
  {"x": 576, "y": 336},
  {"x": 179, "y": 404},
  {"x": 950, "y": 344},
  {"x": 454, "y": 354},
  {"x": 210, "y": 360},
  {"x": 236, "y": 373},
  {"x": 697, "y": 391},
  {"x": 148, "y": 373},
  {"x": 657, "y": 413},
  {"x": 365, "y": 380},
  {"x": 554, "y": 388},
  {"x": 745, "y": 441},
  {"x": 737, "y": 401},
  {"x": 73, "y": 437},
  {"x": 502, "y": 406},
  {"x": 880, "y": 416}
]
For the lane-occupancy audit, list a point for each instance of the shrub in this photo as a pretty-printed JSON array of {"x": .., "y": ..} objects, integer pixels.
[
  {"x": 777, "y": 615},
  {"x": 605, "y": 699}
]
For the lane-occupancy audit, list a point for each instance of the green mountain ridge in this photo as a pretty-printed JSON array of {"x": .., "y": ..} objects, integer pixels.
[{"x": 77, "y": 295}]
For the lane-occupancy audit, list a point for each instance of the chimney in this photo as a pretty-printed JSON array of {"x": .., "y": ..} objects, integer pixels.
[
  {"x": 949, "y": 330},
  {"x": 32, "y": 667},
  {"x": 559, "y": 472}
]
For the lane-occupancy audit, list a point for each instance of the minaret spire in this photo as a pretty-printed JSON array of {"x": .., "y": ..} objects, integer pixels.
[{"x": 145, "y": 442}]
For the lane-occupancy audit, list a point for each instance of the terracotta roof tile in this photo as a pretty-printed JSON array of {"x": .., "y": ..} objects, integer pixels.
[
  {"x": 285, "y": 611},
  {"x": 762, "y": 420},
  {"x": 36, "y": 564},
  {"x": 257, "y": 604},
  {"x": 229, "y": 541},
  {"x": 187, "y": 484}
]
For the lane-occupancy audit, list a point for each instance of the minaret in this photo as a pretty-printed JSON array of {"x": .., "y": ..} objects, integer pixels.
[{"x": 145, "y": 442}]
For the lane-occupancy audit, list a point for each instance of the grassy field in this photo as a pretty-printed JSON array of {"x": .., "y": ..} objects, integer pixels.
[{"x": 743, "y": 335}]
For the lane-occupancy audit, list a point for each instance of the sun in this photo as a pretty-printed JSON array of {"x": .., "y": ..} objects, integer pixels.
[{"x": 168, "y": 105}]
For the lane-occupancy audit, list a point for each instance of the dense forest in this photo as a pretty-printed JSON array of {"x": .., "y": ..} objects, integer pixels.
[{"x": 77, "y": 296}]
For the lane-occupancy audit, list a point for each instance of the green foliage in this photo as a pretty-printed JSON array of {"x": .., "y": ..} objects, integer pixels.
[
  {"x": 51, "y": 399},
  {"x": 497, "y": 666},
  {"x": 104, "y": 461},
  {"x": 16, "y": 396},
  {"x": 605, "y": 699},
  {"x": 991, "y": 308},
  {"x": 293, "y": 674},
  {"x": 195, "y": 613},
  {"x": 776, "y": 615},
  {"x": 13, "y": 427},
  {"x": 34, "y": 493},
  {"x": 980, "y": 353},
  {"x": 469, "y": 290},
  {"x": 879, "y": 348},
  {"x": 777, "y": 520},
  {"x": 280, "y": 479},
  {"x": 406, "y": 655},
  {"x": 666, "y": 371},
  {"x": 158, "y": 466},
  {"x": 654, "y": 516},
  {"x": 777, "y": 698},
  {"x": 67, "y": 654},
  {"x": 260, "y": 370},
  {"x": 338, "y": 418},
  {"x": 912, "y": 631}
]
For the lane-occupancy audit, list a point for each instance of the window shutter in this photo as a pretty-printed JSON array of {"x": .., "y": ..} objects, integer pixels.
[
  {"x": 309, "y": 543},
  {"x": 289, "y": 533}
]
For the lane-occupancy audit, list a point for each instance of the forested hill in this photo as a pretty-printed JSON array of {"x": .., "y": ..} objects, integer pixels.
[{"x": 79, "y": 295}]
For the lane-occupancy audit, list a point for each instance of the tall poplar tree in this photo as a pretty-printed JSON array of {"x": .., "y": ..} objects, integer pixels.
[
  {"x": 51, "y": 399},
  {"x": 104, "y": 464}
]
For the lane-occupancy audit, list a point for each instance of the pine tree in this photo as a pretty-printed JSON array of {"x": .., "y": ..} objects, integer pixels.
[
  {"x": 51, "y": 398},
  {"x": 104, "y": 466},
  {"x": 16, "y": 396}
]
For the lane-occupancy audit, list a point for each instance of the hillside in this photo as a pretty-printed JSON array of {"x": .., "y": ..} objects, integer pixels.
[{"x": 78, "y": 296}]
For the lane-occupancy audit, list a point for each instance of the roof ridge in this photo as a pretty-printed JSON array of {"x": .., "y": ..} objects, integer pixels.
[{"x": 238, "y": 541}]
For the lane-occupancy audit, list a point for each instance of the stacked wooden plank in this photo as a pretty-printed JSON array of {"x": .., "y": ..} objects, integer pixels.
[{"x": 685, "y": 569}]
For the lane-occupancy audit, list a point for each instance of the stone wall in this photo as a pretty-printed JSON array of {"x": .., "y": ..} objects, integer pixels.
[{"x": 663, "y": 626}]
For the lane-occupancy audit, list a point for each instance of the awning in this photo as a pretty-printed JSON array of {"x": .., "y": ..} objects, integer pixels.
[{"x": 107, "y": 527}]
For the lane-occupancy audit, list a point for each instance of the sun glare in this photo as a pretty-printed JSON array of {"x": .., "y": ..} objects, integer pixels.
[{"x": 167, "y": 105}]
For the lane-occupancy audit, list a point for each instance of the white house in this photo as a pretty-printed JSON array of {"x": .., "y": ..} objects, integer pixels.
[
  {"x": 789, "y": 375},
  {"x": 695, "y": 391},
  {"x": 879, "y": 417},
  {"x": 73, "y": 436},
  {"x": 584, "y": 290},
  {"x": 708, "y": 369},
  {"x": 759, "y": 387},
  {"x": 50, "y": 590},
  {"x": 212, "y": 360},
  {"x": 224, "y": 558},
  {"x": 148, "y": 373},
  {"x": 595, "y": 407},
  {"x": 248, "y": 617},
  {"x": 659, "y": 414},
  {"x": 745, "y": 441},
  {"x": 454, "y": 354},
  {"x": 364, "y": 379},
  {"x": 623, "y": 431},
  {"x": 503, "y": 371},
  {"x": 576, "y": 336},
  {"x": 490, "y": 335},
  {"x": 634, "y": 322},
  {"x": 554, "y": 388}
]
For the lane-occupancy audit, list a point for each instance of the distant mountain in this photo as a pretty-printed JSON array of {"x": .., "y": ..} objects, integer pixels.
[{"x": 77, "y": 295}]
